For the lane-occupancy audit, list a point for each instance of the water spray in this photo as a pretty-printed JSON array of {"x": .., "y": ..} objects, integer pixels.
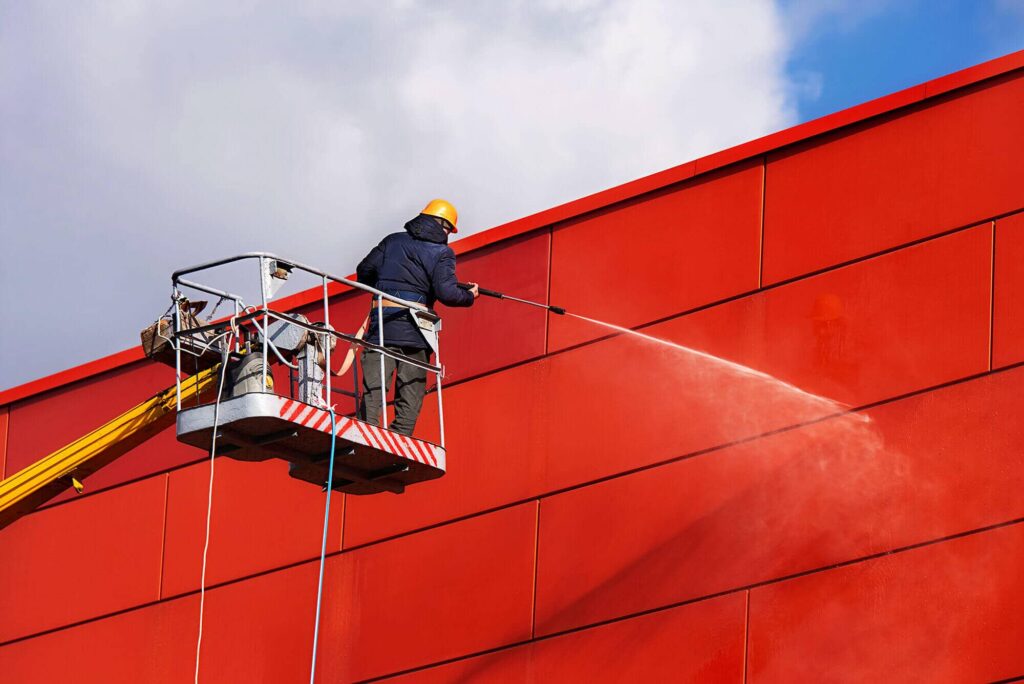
[
  {"x": 737, "y": 368},
  {"x": 499, "y": 295}
]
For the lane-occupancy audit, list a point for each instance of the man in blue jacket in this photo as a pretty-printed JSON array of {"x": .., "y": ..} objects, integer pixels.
[{"x": 416, "y": 265}]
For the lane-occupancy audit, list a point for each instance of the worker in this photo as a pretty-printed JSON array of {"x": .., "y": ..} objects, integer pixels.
[{"x": 416, "y": 265}]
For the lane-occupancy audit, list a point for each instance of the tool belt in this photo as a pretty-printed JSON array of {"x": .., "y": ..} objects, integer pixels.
[{"x": 407, "y": 295}]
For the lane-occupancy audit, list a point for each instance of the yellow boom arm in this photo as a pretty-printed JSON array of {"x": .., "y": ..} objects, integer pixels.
[{"x": 33, "y": 486}]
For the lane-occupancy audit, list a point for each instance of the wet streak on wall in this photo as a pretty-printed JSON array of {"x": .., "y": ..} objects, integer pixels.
[
  {"x": 615, "y": 405},
  {"x": 796, "y": 501}
]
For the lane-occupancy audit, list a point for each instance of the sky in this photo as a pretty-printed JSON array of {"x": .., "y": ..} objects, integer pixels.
[{"x": 138, "y": 137}]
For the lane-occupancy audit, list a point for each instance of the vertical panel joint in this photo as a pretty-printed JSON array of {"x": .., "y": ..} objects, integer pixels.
[
  {"x": 547, "y": 316},
  {"x": 5, "y": 426},
  {"x": 536, "y": 566},
  {"x": 992, "y": 296},
  {"x": 163, "y": 539},
  {"x": 746, "y": 636},
  {"x": 760, "y": 248}
]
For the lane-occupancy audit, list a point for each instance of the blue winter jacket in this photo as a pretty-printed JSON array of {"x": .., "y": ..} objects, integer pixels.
[{"x": 417, "y": 265}]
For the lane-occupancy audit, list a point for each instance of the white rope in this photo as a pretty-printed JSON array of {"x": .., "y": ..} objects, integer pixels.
[
  {"x": 328, "y": 487},
  {"x": 209, "y": 502},
  {"x": 323, "y": 548}
]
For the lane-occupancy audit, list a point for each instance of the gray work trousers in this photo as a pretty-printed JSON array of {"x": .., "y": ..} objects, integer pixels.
[{"x": 409, "y": 388}]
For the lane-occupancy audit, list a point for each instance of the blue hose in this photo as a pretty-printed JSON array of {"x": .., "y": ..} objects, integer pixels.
[{"x": 323, "y": 549}]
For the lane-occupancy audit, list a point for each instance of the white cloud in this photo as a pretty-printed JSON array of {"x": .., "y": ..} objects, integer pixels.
[{"x": 143, "y": 136}]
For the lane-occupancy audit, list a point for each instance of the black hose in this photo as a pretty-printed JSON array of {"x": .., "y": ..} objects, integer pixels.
[
  {"x": 498, "y": 295},
  {"x": 482, "y": 290}
]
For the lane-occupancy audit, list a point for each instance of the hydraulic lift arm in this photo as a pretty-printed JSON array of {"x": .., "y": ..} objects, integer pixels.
[{"x": 33, "y": 486}]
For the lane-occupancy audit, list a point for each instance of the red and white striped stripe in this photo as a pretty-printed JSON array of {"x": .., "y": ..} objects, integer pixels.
[{"x": 362, "y": 433}]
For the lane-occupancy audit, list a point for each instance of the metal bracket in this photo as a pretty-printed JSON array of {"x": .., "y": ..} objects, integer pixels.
[
  {"x": 273, "y": 274},
  {"x": 241, "y": 441},
  {"x": 429, "y": 327}
]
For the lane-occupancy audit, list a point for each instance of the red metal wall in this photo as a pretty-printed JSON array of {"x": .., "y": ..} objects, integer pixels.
[{"x": 615, "y": 510}]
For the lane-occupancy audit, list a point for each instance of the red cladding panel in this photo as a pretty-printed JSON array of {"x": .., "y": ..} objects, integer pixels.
[
  {"x": 623, "y": 403},
  {"x": 82, "y": 559},
  {"x": 42, "y": 425},
  {"x": 948, "y": 612},
  {"x": 911, "y": 471},
  {"x": 1008, "y": 309},
  {"x": 659, "y": 255},
  {"x": 909, "y": 319},
  {"x": 856, "y": 192},
  {"x": 412, "y": 601},
  {"x": 155, "y": 645},
  {"x": 261, "y": 629},
  {"x": 261, "y": 519},
  {"x": 453, "y": 590},
  {"x": 489, "y": 462},
  {"x": 495, "y": 333},
  {"x": 431, "y": 596},
  {"x": 702, "y": 642}
]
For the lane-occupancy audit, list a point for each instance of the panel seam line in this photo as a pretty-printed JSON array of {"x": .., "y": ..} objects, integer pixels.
[
  {"x": 163, "y": 537},
  {"x": 746, "y": 637},
  {"x": 764, "y": 201},
  {"x": 710, "y": 597},
  {"x": 547, "y": 315},
  {"x": 992, "y": 299},
  {"x": 619, "y": 618},
  {"x": 536, "y": 572}
]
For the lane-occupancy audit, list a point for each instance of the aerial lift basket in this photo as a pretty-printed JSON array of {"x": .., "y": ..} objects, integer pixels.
[
  {"x": 258, "y": 426},
  {"x": 255, "y": 420}
]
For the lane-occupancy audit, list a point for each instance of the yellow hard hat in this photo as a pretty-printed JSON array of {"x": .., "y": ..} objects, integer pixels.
[{"x": 442, "y": 209}]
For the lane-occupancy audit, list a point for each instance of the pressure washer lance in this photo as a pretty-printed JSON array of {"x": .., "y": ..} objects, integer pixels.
[{"x": 498, "y": 295}]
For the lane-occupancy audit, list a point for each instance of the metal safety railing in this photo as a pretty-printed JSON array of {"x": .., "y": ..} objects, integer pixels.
[{"x": 231, "y": 335}]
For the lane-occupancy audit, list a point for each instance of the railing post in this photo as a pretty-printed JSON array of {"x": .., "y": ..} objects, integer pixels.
[
  {"x": 383, "y": 386},
  {"x": 266, "y": 323},
  {"x": 238, "y": 341},
  {"x": 327, "y": 344},
  {"x": 177, "y": 344},
  {"x": 440, "y": 372}
]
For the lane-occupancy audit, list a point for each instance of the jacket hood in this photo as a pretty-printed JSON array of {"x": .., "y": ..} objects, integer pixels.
[{"x": 425, "y": 228}]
